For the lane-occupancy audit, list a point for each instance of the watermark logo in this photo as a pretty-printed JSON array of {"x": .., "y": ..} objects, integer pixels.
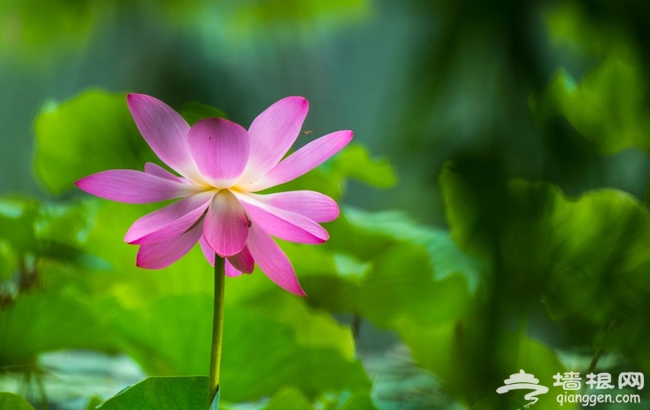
[
  {"x": 524, "y": 381},
  {"x": 572, "y": 384}
]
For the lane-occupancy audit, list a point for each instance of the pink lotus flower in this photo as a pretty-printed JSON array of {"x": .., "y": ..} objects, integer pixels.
[{"x": 221, "y": 165}]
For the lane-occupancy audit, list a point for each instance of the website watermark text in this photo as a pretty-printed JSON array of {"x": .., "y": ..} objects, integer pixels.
[{"x": 593, "y": 399}]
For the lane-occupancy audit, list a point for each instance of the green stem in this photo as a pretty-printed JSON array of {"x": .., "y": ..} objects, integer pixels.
[
  {"x": 217, "y": 326},
  {"x": 600, "y": 350}
]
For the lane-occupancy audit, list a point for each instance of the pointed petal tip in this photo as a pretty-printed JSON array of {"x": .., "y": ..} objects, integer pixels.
[
  {"x": 136, "y": 100},
  {"x": 139, "y": 262},
  {"x": 295, "y": 99},
  {"x": 301, "y": 100},
  {"x": 304, "y": 160},
  {"x": 80, "y": 183},
  {"x": 272, "y": 133},
  {"x": 87, "y": 184},
  {"x": 142, "y": 264},
  {"x": 297, "y": 104},
  {"x": 294, "y": 288},
  {"x": 128, "y": 238},
  {"x": 344, "y": 137},
  {"x": 272, "y": 261},
  {"x": 300, "y": 293},
  {"x": 133, "y": 97}
]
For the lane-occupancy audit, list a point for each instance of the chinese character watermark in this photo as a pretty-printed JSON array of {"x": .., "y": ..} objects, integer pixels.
[
  {"x": 600, "y": 381},
  {"x": 570, "y": 380},
  {"x": 631, "y": 379},
  {"x": 571, "y": 383}
]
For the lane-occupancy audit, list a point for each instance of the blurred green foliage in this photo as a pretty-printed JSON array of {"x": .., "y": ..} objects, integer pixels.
[
  {"x": 518, "y": 128},
  {"x": 608, "y": 106},
  {"x": 39, "y": 30},
  {"x": 11, "y": 401}
]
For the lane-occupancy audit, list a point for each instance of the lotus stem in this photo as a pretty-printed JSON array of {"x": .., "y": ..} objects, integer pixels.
[{"x": 217, "y": 326}]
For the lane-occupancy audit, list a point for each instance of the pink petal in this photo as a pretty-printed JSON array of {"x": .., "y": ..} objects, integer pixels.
[
  {"x": 243, "y": 261},
  {"x": 272, "y": 261},
  {"x": 272, "y": 133},
  {"x": 209, "y": 254},
  {"x": 170, "y": 221},
  {"x": 283, "y": 224},
  {"x": 207, "y": 250},
  {"x": 165, "y": 131},
  {"x": 305, "y": 159},
  {"x": 162, "y": 254},
  {"x": 157, "y": 170},
  {"x": 134, "y": 187},
  {"x": 310, "y": 204},
  {"x": 225, "y": 225},
  {"x": 230, "y": 270},
  {"x": 220, "y": 149}
]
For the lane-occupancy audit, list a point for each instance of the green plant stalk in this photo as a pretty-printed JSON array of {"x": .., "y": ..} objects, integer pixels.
[
  {"x": 217, "y": 326},
  {"x": 599, "y": 351}
]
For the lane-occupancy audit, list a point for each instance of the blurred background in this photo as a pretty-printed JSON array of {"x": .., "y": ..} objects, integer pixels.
[
  {"x": 420, "y": 82},
  {"x": 510, "y": 138}
]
